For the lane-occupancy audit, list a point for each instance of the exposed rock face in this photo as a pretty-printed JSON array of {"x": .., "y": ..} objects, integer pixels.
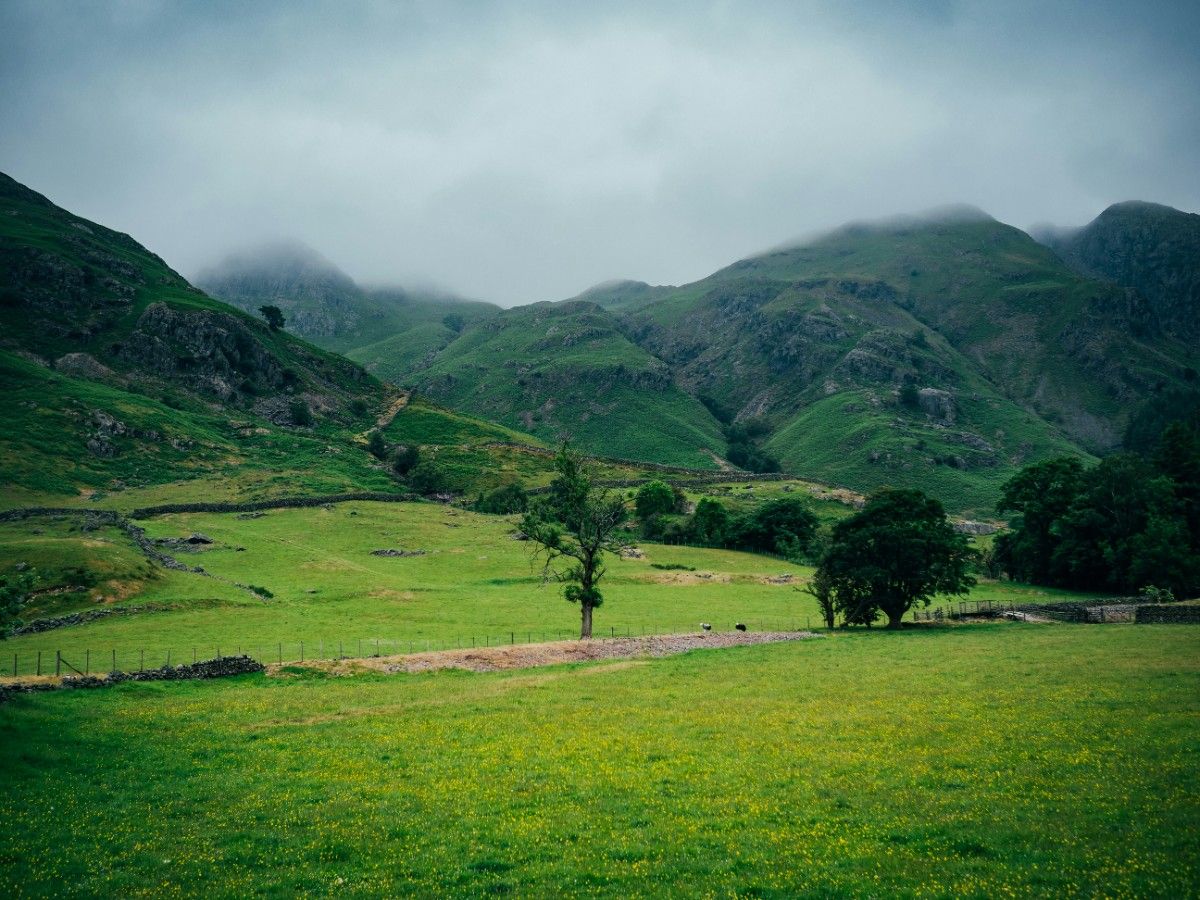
[
  {"x": 976, "y": 528},
  {"x": 102, "y": 442},
  {"x": 213, "y": 353},
  {"x": 937, "y": 404},
  {"x": 1150, "y": 248},
  {"x": 84, "y": 365}
]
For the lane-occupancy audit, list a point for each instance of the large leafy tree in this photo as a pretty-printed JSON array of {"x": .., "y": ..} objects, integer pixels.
[
  {"x": 1040, "y": 494},
  {"x": 897, "y": 552},
  {"x": 576, "y": 524},
  {"x": 1125, "y": 516},
  {"x": 778, "y": 525}
]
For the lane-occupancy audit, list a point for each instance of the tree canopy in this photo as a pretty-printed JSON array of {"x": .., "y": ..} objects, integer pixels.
[
  {"x": 576, "y": 523},
  {"x": 653, "y": 499},
  {"x": 1127, "y": 523},
  {"x": 897, "y": 552},
  {"x": 274, "y": 317}
]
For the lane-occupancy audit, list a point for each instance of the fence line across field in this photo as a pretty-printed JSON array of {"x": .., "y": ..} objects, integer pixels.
[
  {"x": 93, "y": 662},
  {"x": 88, "y": 661}
]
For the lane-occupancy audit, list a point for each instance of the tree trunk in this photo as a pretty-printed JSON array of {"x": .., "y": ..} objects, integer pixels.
[
  {"x": 585, "y": 630},
  {"x": 895, "y": 618}
]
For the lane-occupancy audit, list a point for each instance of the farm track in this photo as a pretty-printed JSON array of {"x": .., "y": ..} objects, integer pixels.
[{"x": 526, "y": 656}]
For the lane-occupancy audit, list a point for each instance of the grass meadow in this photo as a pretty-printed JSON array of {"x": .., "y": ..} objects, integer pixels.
[
  {"x": 472, "y": 582},
  {"x": 983, "y": 760}
]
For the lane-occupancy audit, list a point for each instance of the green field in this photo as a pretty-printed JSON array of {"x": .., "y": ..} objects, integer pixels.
[
  {"x": 473, "y": 581},
  {"x": 992, "y": 760}
]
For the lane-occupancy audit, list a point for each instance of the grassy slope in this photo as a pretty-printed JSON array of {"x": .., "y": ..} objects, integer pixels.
[
  {"x": 218, "y": 455},
  {"x": 397, "y": 330},
  {"x": 473, "y": 579},
  {"x": 876, "y": 447},
  {"x": 387, "y": 330},
  {"x": 109, "y": 265},
  {"x": 70, "y": 285},
  {"x": 981, "y": 761},
  {"x": 818, "y": 339},
  {"x": 1004, "y": 301},
  {"x": 566, "y": 369}
]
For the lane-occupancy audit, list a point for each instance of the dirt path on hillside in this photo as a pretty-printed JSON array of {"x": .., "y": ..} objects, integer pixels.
[
  {"x": 398, "y": 404},
  {"x": 386, "y": 418},
  {"x": 523, "y": 656},
  {"x": 722, "y": 464}
]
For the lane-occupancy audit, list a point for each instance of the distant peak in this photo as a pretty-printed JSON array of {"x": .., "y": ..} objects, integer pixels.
[
  {"x": 1140, "y": 207},
  {"x": 950, "y": 214},
  {"x": 613, "y": 284},
  {"x": 288, "y": 257}
]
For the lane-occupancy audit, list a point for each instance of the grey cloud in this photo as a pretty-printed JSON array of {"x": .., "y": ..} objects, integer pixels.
[{"x": 517, "y": 152}]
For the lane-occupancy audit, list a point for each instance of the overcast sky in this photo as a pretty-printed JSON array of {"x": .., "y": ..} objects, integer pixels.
[{"x": 518, "y": 152}]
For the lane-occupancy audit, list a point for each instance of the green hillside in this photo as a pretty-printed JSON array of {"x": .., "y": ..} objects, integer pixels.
[
  {"x": 556, "y": 370},
  {"x": 1069, "y": 349},
  {"x": 126, "y": 386},
  {"x": 1150, "y": 248},
  {"x": 942, "y": 351},
  {"x": 388, "y": 331}
]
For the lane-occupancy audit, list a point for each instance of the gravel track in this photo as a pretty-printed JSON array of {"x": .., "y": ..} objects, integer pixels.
[{"x": 522, "y": 656}]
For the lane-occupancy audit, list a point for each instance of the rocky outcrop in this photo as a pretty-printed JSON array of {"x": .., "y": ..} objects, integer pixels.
[
  {"x": 1151, "y": 248},
  {"x": 937, "y": 404},
  {"x": 975, "y": 528},
  {"x": 212, "y": 353},
  {"x": 84, "y": 365},
  {"x": 102, "y": 441}
]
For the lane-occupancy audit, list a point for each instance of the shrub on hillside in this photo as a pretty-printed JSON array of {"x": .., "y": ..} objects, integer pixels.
[
  {"x": 299, "y": 413},
  {"x": 376, "y": 445},
  {"x": 510, "y": 498},
  {"x": 654, "y": 499},
  {"x": 406, "y": 459},
  {"x": 427, "y": 477},
  {"x": 14, "y": 594}
]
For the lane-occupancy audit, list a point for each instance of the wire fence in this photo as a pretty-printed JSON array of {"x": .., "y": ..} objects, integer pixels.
[{"x": 53, "y": 660}]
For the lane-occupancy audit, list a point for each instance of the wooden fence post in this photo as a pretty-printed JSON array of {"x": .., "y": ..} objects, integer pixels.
[{"x": 57, "y": 662}]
